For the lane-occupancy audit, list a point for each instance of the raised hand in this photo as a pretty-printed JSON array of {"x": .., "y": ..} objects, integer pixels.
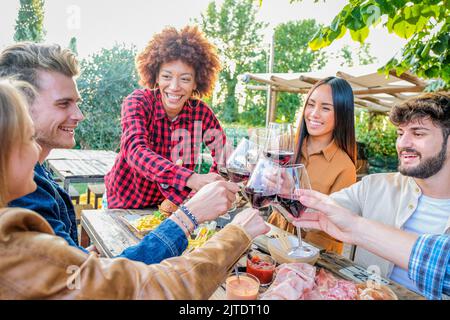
[
  {"x": 197, "y": 181},
  {"x": 327, "y": 216},
  {"x": 213, "y": 200},
  {"x": 252, "y": 222}
]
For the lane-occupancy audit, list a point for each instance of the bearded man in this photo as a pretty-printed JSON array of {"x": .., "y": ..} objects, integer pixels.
[{"x": 417, "y": 198}]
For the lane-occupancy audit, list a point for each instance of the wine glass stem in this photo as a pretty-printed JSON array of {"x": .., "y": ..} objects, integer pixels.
[{"x": 299, "y": 235}]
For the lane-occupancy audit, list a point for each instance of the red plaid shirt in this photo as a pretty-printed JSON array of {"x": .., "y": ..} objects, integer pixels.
[{"x": 145, "y": 172}]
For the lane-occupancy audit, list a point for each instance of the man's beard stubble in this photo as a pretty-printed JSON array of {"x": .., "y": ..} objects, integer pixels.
[{"x": 429, "y": 167}]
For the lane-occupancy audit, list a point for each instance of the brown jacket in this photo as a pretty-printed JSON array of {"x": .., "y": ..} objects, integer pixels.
[{"x": 36, "y": 264}]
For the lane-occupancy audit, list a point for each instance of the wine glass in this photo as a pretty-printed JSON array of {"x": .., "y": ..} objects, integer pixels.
[
  {"x": 279, "y": 144},
  {"x": 290, "y": 179},
  {"x": 226, "y": 151},
  {"x": 239, "y": 162},
  {"x": 258, "y": 136},
  {"x": 236, "y": 165},
  {"x": 260, "y": 191}
]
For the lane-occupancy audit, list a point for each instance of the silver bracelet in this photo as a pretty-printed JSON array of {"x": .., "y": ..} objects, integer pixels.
[
  {"x": 182, "y": 222},
  {"x": 190, "y": 215}
]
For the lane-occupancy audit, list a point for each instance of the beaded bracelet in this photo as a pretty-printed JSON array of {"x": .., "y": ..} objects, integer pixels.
[
  {"x": 190, "y": 216},
  {"x": 182, "y": 222}
]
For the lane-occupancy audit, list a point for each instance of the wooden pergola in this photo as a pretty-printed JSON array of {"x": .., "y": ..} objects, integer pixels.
[{"x": 373, "y": 91}]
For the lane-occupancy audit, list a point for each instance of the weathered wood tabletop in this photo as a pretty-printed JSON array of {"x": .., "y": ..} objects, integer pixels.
[
  {"x": 83, "y": 166},
  {"x": 111, "y": 236}
]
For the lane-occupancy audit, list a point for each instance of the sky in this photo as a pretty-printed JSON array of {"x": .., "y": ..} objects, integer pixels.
[{"x": 101, "y": 23}]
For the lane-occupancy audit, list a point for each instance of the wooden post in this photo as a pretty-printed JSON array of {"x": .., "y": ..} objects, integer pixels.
[
  {"x": 270, "y": 92},
  {"x": 273, "y": 106}
]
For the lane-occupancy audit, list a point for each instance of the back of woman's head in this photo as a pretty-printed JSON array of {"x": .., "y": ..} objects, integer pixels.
[
  {"x": 344, "y": 121},
  {"x": 13, "y": 125}
]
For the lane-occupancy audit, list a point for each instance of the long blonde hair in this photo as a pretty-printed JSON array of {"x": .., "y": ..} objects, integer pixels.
[{"x": 14, "y": 120}]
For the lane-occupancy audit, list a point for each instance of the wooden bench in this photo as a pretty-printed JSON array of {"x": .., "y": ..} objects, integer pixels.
[
  {"x": 74, "y": 194},
  {"x": 98, "y": 190}
]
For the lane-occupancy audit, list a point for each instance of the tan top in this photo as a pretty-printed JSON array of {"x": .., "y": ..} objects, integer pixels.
[{"x": 329, "y": 170}]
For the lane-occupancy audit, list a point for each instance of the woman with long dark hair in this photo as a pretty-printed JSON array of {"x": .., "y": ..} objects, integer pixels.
[{"x": 326, "y": 144}]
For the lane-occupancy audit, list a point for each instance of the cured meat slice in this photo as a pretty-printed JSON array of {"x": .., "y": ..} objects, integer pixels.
[
  {"x": 298, "y": 281},
  {"x": 328, "y": 287}
]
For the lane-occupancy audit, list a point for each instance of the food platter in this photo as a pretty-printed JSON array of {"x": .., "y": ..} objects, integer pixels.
[{"x": 141, "y": 225}]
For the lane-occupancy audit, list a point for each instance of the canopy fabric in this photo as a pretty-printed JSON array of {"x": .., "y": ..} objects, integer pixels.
[{"x": 373, "y": 91}]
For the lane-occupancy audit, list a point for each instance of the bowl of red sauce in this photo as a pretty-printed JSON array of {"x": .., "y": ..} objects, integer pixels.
[{"x": 261, "y": 266}]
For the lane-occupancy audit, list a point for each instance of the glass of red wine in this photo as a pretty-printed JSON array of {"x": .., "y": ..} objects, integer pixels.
[
  {"x": 260, "y": 191},
  {"x": 226, "y": 151},
  {"x": 291, "y": 178},
  {"x": 279, "y": 144},
  {"x": 239, "y": 164}
]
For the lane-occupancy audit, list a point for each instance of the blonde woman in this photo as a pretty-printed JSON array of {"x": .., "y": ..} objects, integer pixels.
[{"x": 34, "y": 262}]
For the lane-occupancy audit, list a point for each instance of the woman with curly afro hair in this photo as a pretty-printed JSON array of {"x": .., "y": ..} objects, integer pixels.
[{"x": 165, "y": 123}]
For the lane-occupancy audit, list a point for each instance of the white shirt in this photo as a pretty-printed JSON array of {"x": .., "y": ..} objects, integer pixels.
[{"x": 430, "y": 218}]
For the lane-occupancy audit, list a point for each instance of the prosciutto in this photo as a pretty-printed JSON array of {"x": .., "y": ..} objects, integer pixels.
[
  {"x": 300, "y": 281},
  {"x": 328, "y": 287}
]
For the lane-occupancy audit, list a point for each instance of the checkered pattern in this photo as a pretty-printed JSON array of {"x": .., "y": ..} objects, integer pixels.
[
  {"x": 429, "y": 266},
  {"x": 145, "y": 172}
]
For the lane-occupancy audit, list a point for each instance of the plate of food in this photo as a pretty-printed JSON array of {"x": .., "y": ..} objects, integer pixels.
[
  {"x": 140, "y": 225},
  {"x": 200, "y": 235}
]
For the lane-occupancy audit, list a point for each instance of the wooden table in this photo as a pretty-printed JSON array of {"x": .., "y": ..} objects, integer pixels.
[
  {"x": 82, "y": 166},
  {"x": 111, "y": 236}
]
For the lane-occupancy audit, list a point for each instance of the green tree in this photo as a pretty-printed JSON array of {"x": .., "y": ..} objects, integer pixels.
[
  {"x": 233, "y": 28},
  {"x": 350, "y": 57},
  {"x": 107, "y": 78},
  {"x": 73, "y": 45},
  {"x": 292, "y": 54},
  {"x": 424, "y": 23},
  {"x": 30, "y": 20}
]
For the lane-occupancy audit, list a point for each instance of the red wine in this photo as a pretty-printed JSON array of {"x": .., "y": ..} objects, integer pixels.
[
  {"x": 236, "y": 175},
  {"x": 258, "y": 198},
  {"x": 293, "y": 206},
  {"x": 281, "y": 157},
  {"x": 223, "y": 172}
]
